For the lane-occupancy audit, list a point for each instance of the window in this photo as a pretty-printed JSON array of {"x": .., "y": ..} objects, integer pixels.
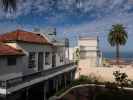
[
  {"x": 11, "y": 60},
  {"x": 32, "y": 61},
  {"x": 47, "y": 58},
  {"x": 61, "y": 58},
  {"x": 40, "y": 61}
]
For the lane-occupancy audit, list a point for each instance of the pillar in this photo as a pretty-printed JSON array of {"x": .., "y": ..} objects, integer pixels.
[
  {"x": 57, "y": 84},
  {"x": 45, "y": 90},
  {"x": 27, "y": 93},
  {"x": 65, "y": 79}
]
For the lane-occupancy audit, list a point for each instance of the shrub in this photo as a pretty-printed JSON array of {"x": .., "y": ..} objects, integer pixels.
[
  {"x": 83, "y": 78},
  {"x": 121, "y": 78},
  {"x": 111, "y": 86}
]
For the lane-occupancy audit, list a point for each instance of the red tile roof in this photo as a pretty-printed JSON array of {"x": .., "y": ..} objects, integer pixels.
[
  {"x": 24, "y": 36},
  {"x": 6, "y": 50}
]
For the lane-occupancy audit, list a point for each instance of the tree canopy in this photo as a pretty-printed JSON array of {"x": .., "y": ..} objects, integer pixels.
[{"x": 117, "y": 35}]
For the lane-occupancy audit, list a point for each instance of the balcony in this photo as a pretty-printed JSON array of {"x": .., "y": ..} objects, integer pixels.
[
  {"x": 43, "y": 75},
  {"x": 88, "y": 48}
]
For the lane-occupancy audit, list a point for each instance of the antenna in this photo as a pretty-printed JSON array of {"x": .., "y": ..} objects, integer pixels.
[{"x": 54, "y": 32}]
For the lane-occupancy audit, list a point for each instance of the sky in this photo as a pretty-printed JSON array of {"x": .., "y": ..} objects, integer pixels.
[{"x": 72, "y": 18}]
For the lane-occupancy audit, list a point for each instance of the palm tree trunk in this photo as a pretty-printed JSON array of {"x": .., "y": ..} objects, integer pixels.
[{"x": 117, "y": 54}]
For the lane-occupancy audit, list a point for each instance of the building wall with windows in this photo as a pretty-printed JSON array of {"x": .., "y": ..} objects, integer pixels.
[
  {"x": 39, "y": 53},
  {"x": 13, "y": 66},
  {"x": 36, "y": 48},
  {"x": 89, "y": 51},
  {"x": 22, "y": 63},
  {"x": 60, "y": 55},
  {"x": 27, "y": 66}
]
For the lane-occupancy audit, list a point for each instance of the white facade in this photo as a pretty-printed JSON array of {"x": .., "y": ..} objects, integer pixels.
[
  {"x": 89, "y": 51},
  {"x": 56, "y": 56},
  {"x": 71, "y": 53},
  {"x": 30, "y": 62},
  {"x": 22, "y": 61}
]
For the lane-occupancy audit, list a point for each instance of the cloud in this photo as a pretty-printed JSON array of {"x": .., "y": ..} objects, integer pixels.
[
  {"x": 75, "y": 16},
  {"x": 50, "y": 8},
  {"x": 101, "y": 27}
]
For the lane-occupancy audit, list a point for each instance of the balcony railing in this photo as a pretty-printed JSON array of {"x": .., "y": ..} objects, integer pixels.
[{"x": 5, "y": 84}]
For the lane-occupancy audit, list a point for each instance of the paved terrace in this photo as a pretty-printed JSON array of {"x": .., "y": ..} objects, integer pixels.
[{"x": 105, "y": 73}]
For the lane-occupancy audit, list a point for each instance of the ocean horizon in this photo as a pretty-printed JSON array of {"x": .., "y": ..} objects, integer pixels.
[{"x": 123, "y": 55}]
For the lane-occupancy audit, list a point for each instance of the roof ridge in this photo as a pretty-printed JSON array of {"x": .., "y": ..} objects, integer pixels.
[{"x": 26, "y": 36}]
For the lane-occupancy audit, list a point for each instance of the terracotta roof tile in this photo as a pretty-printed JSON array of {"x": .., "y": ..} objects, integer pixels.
[
  {"x": 6, "y": 50},
  {"x": 24, "y": 36}
]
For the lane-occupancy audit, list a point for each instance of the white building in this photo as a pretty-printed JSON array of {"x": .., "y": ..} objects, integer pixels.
[
  {"x": 30, "y": 62},
  {"x": 71, "y": 53},
  {"x": 90, "y": 55}
]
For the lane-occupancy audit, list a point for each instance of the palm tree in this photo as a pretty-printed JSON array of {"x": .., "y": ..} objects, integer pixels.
[
  {"x": 8, "y": 5},
  {"x": 116, "y": 37}
]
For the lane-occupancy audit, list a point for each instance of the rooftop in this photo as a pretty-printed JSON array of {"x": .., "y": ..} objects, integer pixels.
[
  {"x": 6, "y": 50},
  {"x": 23, "y": 36}
]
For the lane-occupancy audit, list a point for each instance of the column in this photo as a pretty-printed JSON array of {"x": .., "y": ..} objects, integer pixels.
[
  {"x": 45, "y": 90},
  {"x": 59, "y": 82},
  {"x": 71, "y": 76},
  {"x": 65, "y": 79},
  {"x": 27, "y": 93}
]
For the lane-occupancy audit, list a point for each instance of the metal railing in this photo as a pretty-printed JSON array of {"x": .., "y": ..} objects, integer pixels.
[{"x": 22, "y": 79}]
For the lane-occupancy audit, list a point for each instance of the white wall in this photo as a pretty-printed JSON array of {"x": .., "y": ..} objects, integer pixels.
[
  {"x": 71, "y": 53},
  {"x": 60, "y": 51},
  {"x": 6, "y": 69},
  {"x": 88, "y": 52},
  {"x": 22, "y": 62},
  {"x": 88, "y": 42},
  {"x": 27, "y": 47},
  {"x": 91, "y": 48}
]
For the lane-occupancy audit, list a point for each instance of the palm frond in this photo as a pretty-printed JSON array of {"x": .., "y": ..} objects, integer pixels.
[
  {"x": 117, "y": 35},
  {"x": 9, "y": 5}
]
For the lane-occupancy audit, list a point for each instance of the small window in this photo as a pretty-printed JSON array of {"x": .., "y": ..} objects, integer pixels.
[
  {"x": 47, "y": 58},
  {"x": 61, "y": 58},
  {"x": 11, "y": 60},
  {"x": 32, "y": 60}
]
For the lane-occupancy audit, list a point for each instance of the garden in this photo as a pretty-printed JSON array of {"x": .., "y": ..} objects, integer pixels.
[{"x": 90, "y": 88}]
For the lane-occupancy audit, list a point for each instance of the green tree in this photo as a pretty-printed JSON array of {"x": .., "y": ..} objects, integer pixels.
[
  {"x": 76, "y": 55},
  {"x": 116, "y": 37},
  {"x": 8, "y": 5}
]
